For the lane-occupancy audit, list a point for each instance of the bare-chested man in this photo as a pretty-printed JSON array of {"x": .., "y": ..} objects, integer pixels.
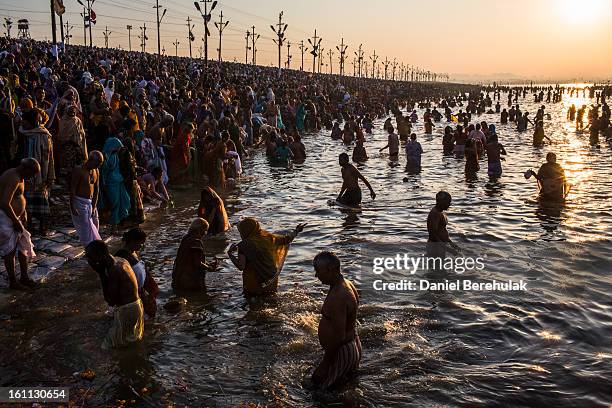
[
  {"x": 337, "y": 333},
  {"x": 14, "y": 238},
  {"x": 436, "y": 226},
  {"x": 84, "y": 191},
  {"x": 120, "y": 289},
  {"x": 350, "y": 194}
]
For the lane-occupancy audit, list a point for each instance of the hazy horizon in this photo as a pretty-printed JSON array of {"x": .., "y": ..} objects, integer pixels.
[{"x": 484, "y": 40}]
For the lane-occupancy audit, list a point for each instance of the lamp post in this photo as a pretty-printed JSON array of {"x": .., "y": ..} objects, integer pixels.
[
  {"x": 206, "y": 15},
  {"x": 280, "y": 33}
]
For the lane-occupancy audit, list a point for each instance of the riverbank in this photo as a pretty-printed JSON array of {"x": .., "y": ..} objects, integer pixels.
[
  {"x": 69, "y": 296},
  {"x": 60, "y": 245}
]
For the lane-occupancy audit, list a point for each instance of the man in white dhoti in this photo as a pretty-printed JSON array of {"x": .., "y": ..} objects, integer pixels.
[
  {"x": 15, "y": 240},
  {"x": 84, "y": 192},
  {"x": 120, "y": 289}
]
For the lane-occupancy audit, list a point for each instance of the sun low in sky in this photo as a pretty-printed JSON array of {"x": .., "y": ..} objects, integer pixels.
[
  {"x": 470, "y": 39},
  {"x": 583, "y": 11}
]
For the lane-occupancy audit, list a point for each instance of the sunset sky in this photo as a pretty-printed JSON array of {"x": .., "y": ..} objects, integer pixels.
[{"x": 560, "y": 39}]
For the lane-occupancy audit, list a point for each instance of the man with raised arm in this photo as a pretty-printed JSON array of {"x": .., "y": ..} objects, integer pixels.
[{"x": 350, "y": 194}]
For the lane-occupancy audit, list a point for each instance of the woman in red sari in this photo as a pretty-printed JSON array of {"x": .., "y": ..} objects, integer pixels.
[{"x": 180, "y": 156}]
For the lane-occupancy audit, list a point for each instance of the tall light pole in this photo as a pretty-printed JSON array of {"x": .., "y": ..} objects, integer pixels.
[
  {"x": 59, "y": 8},
  {"x": 247, "y": 48},
  {"x": 206, "y": 15},
  {"x": 394, "y": 67},
  {"x": 8, "y": 23},
  {"x": 314, "y": 43},
  {"x": 254, "y": 39},
  {"x": 129, "y": 28},
  {"x": 220, "y": 26},
  {"x": 302, "y": 49},
  {"x": 386, "y": 65},
  {"x": 342, "y": 50},
  {"x": 67, "y": 35},
  {"x": 157, "y": 6},
  {"x": 84, "y": 15},
  {"x": 53, "y": 34},
  {"x": 143, "y": 37},
  {"x": 89, "y": 17},
  {"x": 359, "y": 54},
  {"x": 374, "y": 58},
  {"x": 190, "y": 36},
  {"x": 280, "y": 33}
]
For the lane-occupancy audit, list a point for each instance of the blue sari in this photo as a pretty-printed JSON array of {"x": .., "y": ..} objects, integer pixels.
[
  {"x": 300, "y": 114},
  {"x": 279, "y": 119},
  {"x": 113, "y": 194}
]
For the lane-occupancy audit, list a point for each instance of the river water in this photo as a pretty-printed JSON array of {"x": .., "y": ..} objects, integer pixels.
[{"x": 551, "y": 344}]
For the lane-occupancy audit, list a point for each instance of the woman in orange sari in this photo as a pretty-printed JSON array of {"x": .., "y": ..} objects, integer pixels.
[
  {"x": 212, "y": 209},
  {"x": 180, "y": 155},
  {"x": 260, "y": 256}
]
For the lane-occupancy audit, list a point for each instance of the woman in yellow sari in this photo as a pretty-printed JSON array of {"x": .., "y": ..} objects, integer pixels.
[{"x": 260, "y": 256}]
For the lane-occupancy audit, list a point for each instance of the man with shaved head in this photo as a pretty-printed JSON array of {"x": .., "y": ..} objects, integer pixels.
[
  {"x": 84, "y": 192},
  {"x": 337, "y": 332},
  {"x": 14, "y": 238}
]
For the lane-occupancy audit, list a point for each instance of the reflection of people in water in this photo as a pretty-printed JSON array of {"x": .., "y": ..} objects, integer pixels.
[
  {"x": 550, "y": 215},
  {"x": 551, "y": 178},
  {"x": 350, "y": 193}
]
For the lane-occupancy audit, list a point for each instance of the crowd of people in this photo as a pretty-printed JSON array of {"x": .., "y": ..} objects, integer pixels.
[{"x": 118, "y": 129}]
